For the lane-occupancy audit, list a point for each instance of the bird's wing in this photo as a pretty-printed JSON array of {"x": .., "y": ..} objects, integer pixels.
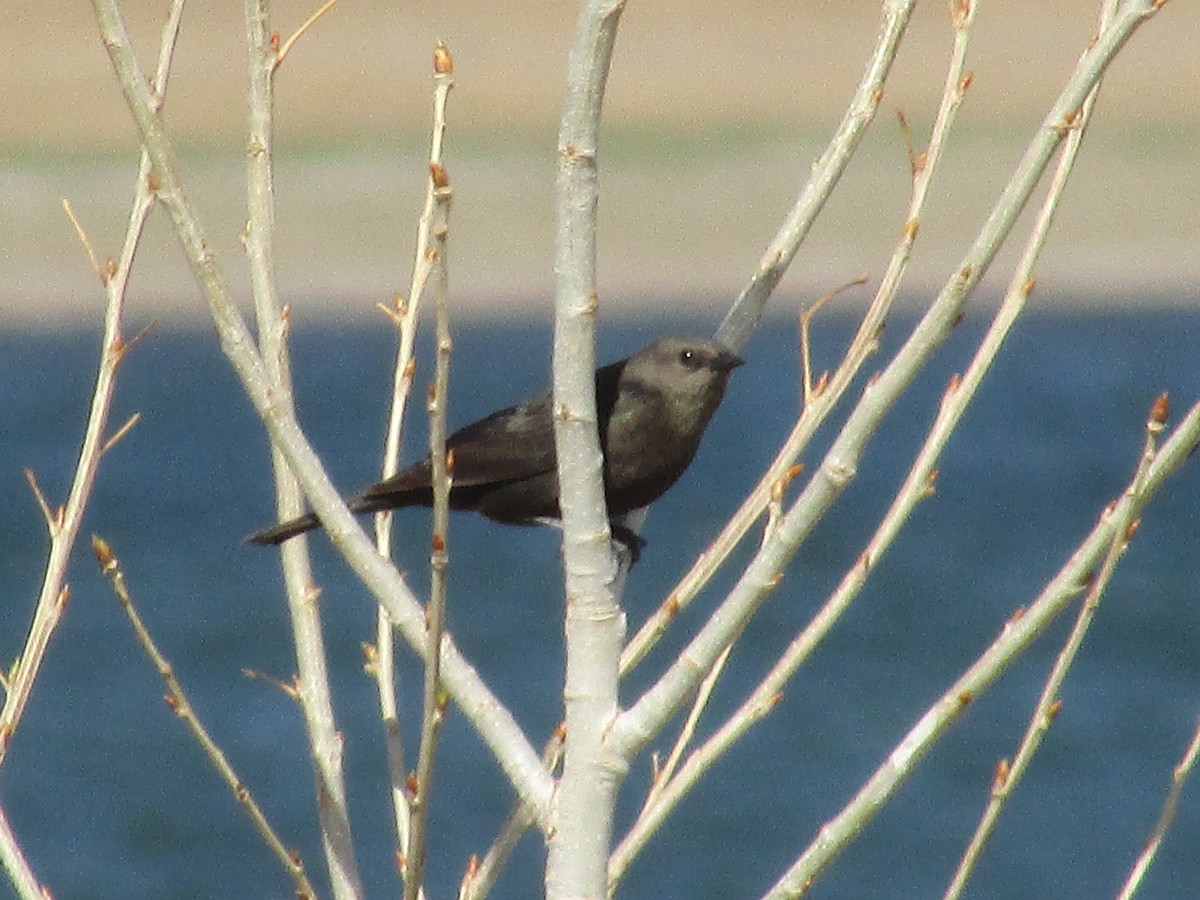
[
  {"x": 518, "y": 442},
  {"x": 510, "y": 444}
]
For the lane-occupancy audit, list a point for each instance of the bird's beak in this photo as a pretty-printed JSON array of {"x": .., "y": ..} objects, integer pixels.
[{"x": 727, "y": 362}]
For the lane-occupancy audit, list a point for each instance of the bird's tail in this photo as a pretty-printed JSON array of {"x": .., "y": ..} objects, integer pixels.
[
  {"x": 288, "y": 530},
  {"x": 285, "y": 530}
]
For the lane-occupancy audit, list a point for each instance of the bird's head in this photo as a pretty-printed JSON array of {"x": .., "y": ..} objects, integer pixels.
[{"x": 690, "y": 370}]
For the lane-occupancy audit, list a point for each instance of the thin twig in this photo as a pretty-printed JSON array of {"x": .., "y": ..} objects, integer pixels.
[
  {"x": 405, "y": 319},
  {"x": 177, "y": 700},
  {"x": 746, "y": 311},
  {"x": 1178, "y": 778},
  {"x": 1009, "y": 774},
  {"x": 481, "y": 874},
  {"x": 64, "y": 525},
  {"x": 666, "y": 772},
  {"x": 442, "y": 465},
  {"x": 866, "y": 338},
  {"x": 1018, "y": 632},
  {"x": 20, "y": 873},
  {"x": 806, "y": 318},
  {"x": 286, "y": 48},
  {"x": 288, "y": 690},
  {"x": 102, "y": 272},
  {"x": 312, "y": 687},
  {"x": 53, "y": 517},
  {"x": 117, "y": 435},
  {"x": 637, "y": 725},
  {"x": 491, "y": 719},
  {"x": 1020, "y": 285}
]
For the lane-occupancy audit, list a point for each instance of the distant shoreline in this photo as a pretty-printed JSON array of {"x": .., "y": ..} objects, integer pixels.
[
  {"x": 470, "y": 312},
  {"x": 708, "y": 135}
]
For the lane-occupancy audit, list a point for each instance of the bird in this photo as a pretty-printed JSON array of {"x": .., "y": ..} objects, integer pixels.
[{"x": 652, "y": 409}]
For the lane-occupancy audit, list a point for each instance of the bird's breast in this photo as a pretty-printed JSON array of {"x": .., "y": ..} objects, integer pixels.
[{"x": 646, "y": 449}]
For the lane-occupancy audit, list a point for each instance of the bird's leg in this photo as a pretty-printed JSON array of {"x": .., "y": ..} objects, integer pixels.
[{"x": 629, "y": 539}]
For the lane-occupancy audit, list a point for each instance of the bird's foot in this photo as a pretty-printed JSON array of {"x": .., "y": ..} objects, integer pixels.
[{"x": 630, "y": 540}]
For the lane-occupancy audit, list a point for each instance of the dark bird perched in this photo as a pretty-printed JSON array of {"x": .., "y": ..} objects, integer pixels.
[{"x": 652, "y": 408}]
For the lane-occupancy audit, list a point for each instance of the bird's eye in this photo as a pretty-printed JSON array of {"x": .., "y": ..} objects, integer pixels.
[{"x": 688, "y": 358}]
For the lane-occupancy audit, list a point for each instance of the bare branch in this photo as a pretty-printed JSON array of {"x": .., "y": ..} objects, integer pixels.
[
  {"x": 861, "y": 347},
  {"x": 1178, "y": 779},
  {"x": 745, "y": 313},
  {"x": 102, "y": 272},
  {"x": 405, "y": 319},
  {"x": 178, "y": 701},
  {"x": 806, "y": 318},
  {"x": 17, "y": 867},
  {"x": 1017, "y": 634},
  {"x": 120, "y": 433},
  {"x": 64, "y": 526},
  {"x": 637, "y": 724},
  {"x": 492, "y": 720},
  {"x": 1014, "y": 303},
  {"x": 53, "y": 518},
  {"x": 309, "y": 22},
  {"x": 481, "y": 875},
  {"x": 580, "y": 840},
  {"x": 442, "y": 465},
  {"x": 313, "y": 689}
]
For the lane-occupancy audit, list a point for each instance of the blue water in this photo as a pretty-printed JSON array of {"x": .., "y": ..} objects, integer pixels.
[{"x": 111, "y": 799}]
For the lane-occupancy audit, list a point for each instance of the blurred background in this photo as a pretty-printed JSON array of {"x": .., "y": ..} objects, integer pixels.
[{"x": 714, "y": 114}]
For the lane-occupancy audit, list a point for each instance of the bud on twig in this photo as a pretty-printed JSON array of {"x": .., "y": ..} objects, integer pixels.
[
  {"x": 443, "y": 62},
  {"x": 1159, "y": 412}
]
